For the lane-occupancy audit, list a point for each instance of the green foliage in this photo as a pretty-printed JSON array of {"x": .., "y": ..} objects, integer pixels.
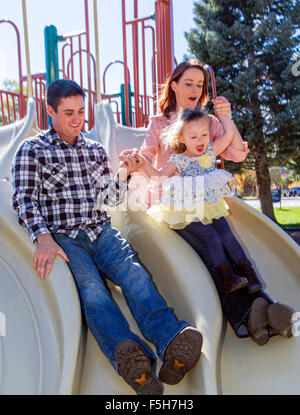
[
  {"x": 252, "y": 46},
  {"x": 10, "y": 85},
  {"x": 278, "y": 176}
]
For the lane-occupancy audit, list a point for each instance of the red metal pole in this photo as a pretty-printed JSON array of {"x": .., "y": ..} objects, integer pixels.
[
  {"x": 63, "y": 60},
  {"x": 22, "y": 106},
  {"x": 80, "y": 59},
  {"x": 135, "y": 49},
  {"x": 214, "y": 93},
  {"x": 125, "y": 64},
  {"x": 157, "y": 26},
  {"x": 87, "y": 29},
  {"x": 163, "y": 39},
  {"x": 45, "y": 110},
  {"x": 2, "y": 109},
  {"x": 146, "y": 109},
  {"x": 8, "y": 109},
  {"x": 14, "y": 107},
  {"x": 154, "y": 80},
  {"x": 104, "y": 73},
  {"x": 72, "y": 62},
  {"x": 164, "y": 36},
  {"x": 41, "y": 103},
  {"x": 170, "y": 37}
]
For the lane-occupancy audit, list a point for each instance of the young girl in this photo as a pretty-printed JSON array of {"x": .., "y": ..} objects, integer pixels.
[{"x": 194, "y": 199}]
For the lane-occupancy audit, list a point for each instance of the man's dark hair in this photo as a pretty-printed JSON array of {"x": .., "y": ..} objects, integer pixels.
[{"x": 62, "y": 88}]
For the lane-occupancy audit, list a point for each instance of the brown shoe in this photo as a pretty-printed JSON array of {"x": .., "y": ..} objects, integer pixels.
[
  {"x": 231, "y": 282},
  {"x": 258, "y": 321},
  {"x": 245, "y": 269},
  {"x": 181, "y": 355},
  {"x": 135, "y": 368},
  {"x": 280, "y": 317}
]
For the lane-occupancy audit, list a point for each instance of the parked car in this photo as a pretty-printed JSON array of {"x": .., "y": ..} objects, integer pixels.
[
  {"x": 285, "y": 192},
  {"x": 295, "y": 191}
]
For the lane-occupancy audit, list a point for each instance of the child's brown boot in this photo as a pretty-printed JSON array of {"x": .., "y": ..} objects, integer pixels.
[
  {"x": 280, "y": 319},
  {"x": 258, "y": 321},
  {"x": 245, "y": 269},
  {"x": 231, "y": 282}
]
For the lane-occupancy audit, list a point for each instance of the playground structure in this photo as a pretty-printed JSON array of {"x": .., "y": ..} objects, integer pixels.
[
  {"x": 69, "y": 56},
  {"x": 48, "y": 350}
]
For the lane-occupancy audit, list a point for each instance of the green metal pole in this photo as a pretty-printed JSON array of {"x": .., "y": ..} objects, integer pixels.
[
  {"x": 123, "y": 104},
  {"x": 51, "y": 51}
]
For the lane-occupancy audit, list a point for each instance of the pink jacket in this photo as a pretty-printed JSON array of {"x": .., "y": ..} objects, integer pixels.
[{"x": 153, "y": 148}]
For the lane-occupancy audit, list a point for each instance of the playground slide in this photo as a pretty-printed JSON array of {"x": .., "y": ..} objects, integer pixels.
[
  {"x": 44, "y": 348},
  {"x": 47, "y": 350},
  {"x": 40, "y": 330},
  {"x": 228, "y": 365}
]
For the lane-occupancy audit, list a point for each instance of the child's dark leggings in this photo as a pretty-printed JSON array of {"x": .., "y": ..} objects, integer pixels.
[
  {"x": 236, "y": 305},
  {"x": 216, "y": 236}
]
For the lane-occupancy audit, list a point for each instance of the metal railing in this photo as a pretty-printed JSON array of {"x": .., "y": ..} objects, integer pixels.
[{"x": 78, "y": 64}]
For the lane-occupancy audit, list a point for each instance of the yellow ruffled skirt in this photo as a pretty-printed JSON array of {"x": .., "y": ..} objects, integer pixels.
[{"x": 179, "y": 219}]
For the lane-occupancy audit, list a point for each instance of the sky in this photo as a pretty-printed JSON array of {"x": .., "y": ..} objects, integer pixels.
[{"x": 68, "y": 16}]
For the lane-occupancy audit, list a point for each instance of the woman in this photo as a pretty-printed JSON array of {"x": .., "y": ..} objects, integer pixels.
[{"x": 187, "y": 87}]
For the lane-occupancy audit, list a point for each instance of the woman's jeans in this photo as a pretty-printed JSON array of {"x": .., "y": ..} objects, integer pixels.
[
  {"x": 235, "y": 305},
  {"x": 111, "y": 257}
]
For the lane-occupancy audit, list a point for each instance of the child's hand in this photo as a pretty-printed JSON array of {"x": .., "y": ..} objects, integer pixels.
[{"x": 222, "y": 107}]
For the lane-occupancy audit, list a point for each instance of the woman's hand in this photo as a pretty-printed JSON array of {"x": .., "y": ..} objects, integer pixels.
[{"x": 222, "y": 107}]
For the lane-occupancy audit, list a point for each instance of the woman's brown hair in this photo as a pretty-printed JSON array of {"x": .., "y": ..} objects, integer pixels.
[{"x": 167, "y": 99}]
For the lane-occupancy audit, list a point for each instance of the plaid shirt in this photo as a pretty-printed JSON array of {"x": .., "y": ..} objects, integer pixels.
[{"x": 59, "y": 187}]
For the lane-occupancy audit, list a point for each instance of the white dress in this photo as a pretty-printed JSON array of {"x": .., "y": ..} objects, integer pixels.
[{"x": 195, "y": 194}]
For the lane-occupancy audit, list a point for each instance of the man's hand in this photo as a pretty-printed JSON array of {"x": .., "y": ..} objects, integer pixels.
[
  {"x": 45, "y": 254},
  {"x": 129, "y": 163},
  {"x": 129, "y": 152},
  {"x": 222, "y": 107}
]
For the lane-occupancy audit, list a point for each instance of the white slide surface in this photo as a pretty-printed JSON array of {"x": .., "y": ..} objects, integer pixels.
[
  {"x": 229, "y": 365},
  {"x": 47, "y": 350},
  {"x": 40, "y": 342}
]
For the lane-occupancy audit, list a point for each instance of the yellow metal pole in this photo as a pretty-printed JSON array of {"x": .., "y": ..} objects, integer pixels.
[
  {"x": 97, "y": 52},
  {"x": 29, "y": 81}
]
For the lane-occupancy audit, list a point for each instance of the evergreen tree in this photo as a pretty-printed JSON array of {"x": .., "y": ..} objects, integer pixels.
[{"x": 253, "y": 46}]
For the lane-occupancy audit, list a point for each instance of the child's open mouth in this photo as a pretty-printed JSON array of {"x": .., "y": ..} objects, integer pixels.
[{"x": 200, "y": 148}]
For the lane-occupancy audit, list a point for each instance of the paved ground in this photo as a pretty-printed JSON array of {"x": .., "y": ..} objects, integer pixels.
[{"x": 285, "y": 202}]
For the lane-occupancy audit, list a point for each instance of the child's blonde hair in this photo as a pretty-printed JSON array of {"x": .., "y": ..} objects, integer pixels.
[{"x": 171, "y": 134}]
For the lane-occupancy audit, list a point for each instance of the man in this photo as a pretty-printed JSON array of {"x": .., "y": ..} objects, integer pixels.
[{"x": 59, "y": 177}]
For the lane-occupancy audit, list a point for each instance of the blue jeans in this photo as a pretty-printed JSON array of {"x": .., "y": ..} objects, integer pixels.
[{"x": 111, "y": 257}]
